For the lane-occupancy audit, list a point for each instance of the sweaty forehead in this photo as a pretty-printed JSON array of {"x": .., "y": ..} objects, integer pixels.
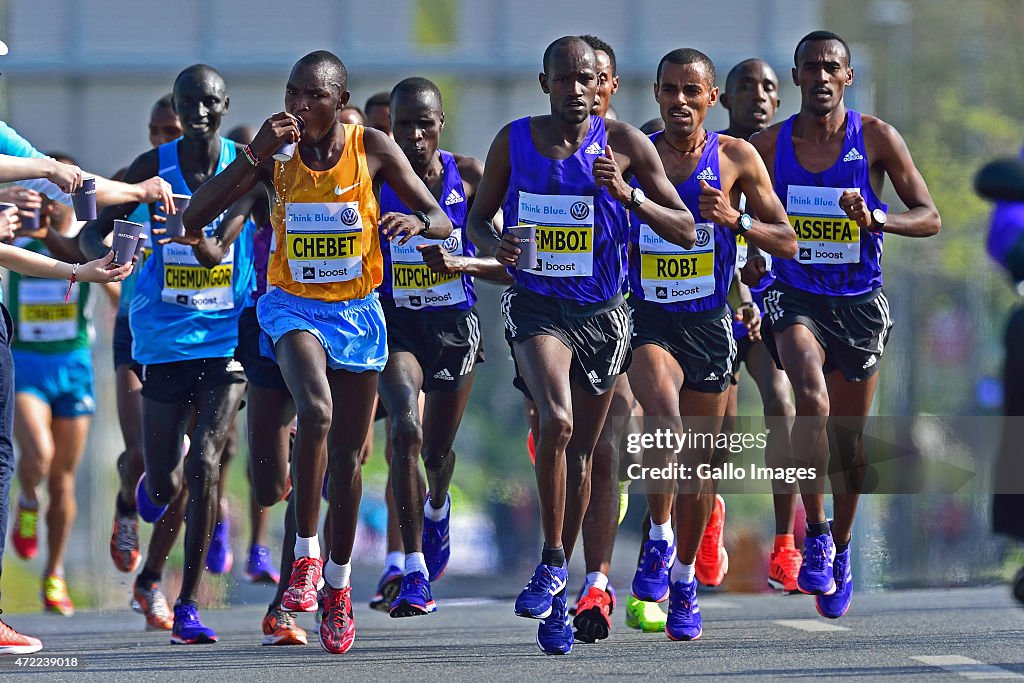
[
  {"x": 312, "y": 76},
  {"x": 205, "y": 82},
  {"x": 414, "y": 104},
  {"x": 823, "y": 51},
  {"x": 572, "y": 57}
]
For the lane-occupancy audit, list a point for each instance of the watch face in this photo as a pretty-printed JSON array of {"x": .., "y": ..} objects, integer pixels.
[
  {"x": 638, "y": 196},
  {"x": 746, "y": 222},
  {"x": 879, "y": 216}
]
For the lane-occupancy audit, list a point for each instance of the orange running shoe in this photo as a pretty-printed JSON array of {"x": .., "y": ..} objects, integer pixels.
[
  {"x": 307, "y": 577},
  {"x": 593, "y": 615},
  {"x": 26, "y": 541},
  {"x": 124, "y": 543},
  {"x": 784, "y": 564},
  {"x": 55, "y": 596},
  {"x": 279, "y": 628},
  {"x": 712, "y": 558},
  {"x": 150, "y": 602},
  {"x": 338, "y": 627},
  {"x": 14, "y": 643}
]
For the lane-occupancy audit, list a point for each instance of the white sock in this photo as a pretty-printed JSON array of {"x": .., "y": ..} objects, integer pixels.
[
  {"x": 597, "y": 579},
  {"x": 662, "y": 532},
  {"x": 337, "y": 575},
  {"x": 395, "y": 559},
  {"x": 683, "y": 572},
  {"x": 307, "y": 547},
  {"x": 433, "y": 514},
  {"x": 415, "y": 562}
]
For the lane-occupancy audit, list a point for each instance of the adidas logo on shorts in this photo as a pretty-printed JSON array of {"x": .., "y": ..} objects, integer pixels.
[
  {"x": 707, "y": 175},
  {"x": 453, "y": 198},
  {"x": 444, "y": 374},
  {"x": 713, "y": 377},
  {"x": 872, "y": 359},
  {"x": 853, "y": 155},
  {"x": 593, "y": 377},
  {"x": 593, "y": 148}
]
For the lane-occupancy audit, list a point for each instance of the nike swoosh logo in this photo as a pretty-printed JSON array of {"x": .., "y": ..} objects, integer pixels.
[{"x": 342, "y": 190}]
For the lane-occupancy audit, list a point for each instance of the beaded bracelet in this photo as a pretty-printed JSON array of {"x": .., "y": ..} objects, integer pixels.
[{"x": 250, "y": 156}]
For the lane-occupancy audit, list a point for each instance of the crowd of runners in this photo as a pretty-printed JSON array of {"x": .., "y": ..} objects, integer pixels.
[{"x": 321, "y": 270}]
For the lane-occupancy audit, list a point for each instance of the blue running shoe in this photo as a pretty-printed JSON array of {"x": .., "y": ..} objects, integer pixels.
[
  {"x": 554, "y": 634},
  {"x": 684, "y": 622},
  {"x": 535, "y": 601},
  {"x": 650, "y": 583},
  {"x": 815, "y": 577},
  {"x": 414, "y": 598},
  {"x": 260, "y": 567},
  {"x": 188, "y": 630},
  {"x": 436, "y": 549},
  {"x": 220, "y": 557},
  {"x": 835, "y": 605},
  {"x": 388, "y": 587},
  {"x": 148, "y": 510}
]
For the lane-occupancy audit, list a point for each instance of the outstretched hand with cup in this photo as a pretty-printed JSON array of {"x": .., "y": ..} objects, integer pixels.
[
  {"x": 104, "y": 270},
  {"x": 67, "y": 177},
  {"x": 9, "y": 222}
]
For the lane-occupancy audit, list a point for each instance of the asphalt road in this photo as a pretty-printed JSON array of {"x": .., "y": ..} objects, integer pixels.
[{"x": 970, "y": 633}]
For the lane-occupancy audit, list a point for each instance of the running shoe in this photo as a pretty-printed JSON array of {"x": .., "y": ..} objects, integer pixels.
[
  {"x": 436, "y": 549},
  {"x": 338, "y": 628},
  {"x": 414, "y": 599},
  {"x": 149, "y": 601},
  {"x": 593, "y": 615},
  {"x": 835, "y": 605},
  {"x": 554, "y": 634},
  {"x": 644, "y": 616},
  {"x": 279, "y": 628},
  {"x": 260, "y": 568},
  {"x": 534, "y": 602},
  {"x": 650, "y": 583},
  {"x": 387, "y": 589},
  {"x": 188, "y": 630},
  {"x": 712, "y": 559},
  {"x": 124, "y": 543},
  {"x": 220, "y": 557},
  {"x": 55, "y": 596},
  {"x": 14, "y": 643},
  {"x": 148, "y": 510},
  {"x": 25, "y": 538},
  {"x": 307, "y": 576},
  {"x": 784, "y": 565},
  {"x": 816, "y": 577},
  {"x": 683, "y": 622}
]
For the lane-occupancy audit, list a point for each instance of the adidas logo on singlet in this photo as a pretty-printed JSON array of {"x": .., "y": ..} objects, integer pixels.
[
  {"x": 453, "y": 198},
  {"x": 443, "y": 374},
  {"x": 853, "y": 155},
  {"x": 707, "y": 174},
  {"x": 594, "y": 148}
]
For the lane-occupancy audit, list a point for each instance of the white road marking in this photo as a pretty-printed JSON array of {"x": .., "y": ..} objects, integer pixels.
[
  {"x": 811, "y": 625},
  {"x": 966, "y": 667}
]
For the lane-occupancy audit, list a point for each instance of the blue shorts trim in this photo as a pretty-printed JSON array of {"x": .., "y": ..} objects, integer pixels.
[
  {"x": 353, "y": 333},
  {"x": 62, "y": 380}
]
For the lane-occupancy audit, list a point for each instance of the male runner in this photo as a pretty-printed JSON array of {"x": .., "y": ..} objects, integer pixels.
[
  {"x": 378, "y": 112},
  {"x": 434, "y": 342},
  {"x": 752, "y": 97},
  {"x": 184, "y": 319},
  {"x": 352, "y": 114},
  {"x": 323, "y": 321},
  {"x": 827, "y": 317},
  {"x": 35, "y": 265},
  {"x": 683, "y": 342},
  {"x": 566, "y": 321}
]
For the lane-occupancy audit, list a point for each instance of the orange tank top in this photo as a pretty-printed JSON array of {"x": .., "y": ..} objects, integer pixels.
[{"x": 325, "y": 227}]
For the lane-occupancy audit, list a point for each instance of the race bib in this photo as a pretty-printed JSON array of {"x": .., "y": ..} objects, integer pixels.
[
  {"x": 43, "y": 316},
  {"x": 669, "y": 273},
  {"x": 565, "y": 233},
  {"x": 741, "y": 254},
  {"x": 824, "y": 233},
  {"x": 324, "y": 241},
  {"x": 190, "y": 284},
  {"x": 414, "y": 285}
]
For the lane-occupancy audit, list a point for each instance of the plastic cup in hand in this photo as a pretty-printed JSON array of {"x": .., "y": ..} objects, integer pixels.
[
  {"x": 140, "y": 245},
  {"x": 286, "y": 151},
  {"x": 126, "y": 241},
  {"x": 30, "y": 221},
  {"x": 175, "y": 228},
  {"x": 527, "y": 236},
  {"x": 84, "y": 200}
]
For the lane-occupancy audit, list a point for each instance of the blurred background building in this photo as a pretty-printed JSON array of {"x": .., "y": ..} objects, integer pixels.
[{"x": 82, "y": 76}]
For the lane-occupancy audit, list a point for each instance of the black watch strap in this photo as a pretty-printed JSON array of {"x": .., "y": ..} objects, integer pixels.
[{"x": 424, "y": 218}]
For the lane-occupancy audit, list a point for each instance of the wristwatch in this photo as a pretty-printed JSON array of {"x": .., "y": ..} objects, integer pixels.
[
  {"x": 744, "y": 224},
  {"x": 878, "y": 220},
  {"x": 636, "y": 198},
  {"x": 424, "y": 218}
]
